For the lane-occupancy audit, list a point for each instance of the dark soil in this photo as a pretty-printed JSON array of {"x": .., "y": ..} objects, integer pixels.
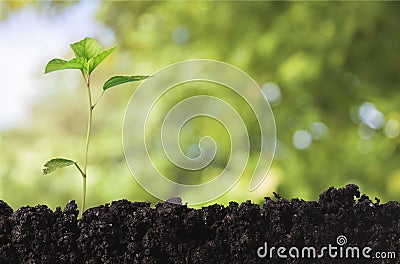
[{"x": 126, "y": 232}]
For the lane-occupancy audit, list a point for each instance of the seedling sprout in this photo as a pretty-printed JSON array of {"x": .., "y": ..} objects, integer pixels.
[{"x": 88, "y": 55}]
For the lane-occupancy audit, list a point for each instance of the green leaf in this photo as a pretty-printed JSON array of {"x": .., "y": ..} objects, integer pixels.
[
  {"x": 117, "y": 80},
  {"x": 59, "y": 64},
  {"x": 55, "y": 164},
  {"x": 87, "y": 48},
  {"x": 85, "y": 69},
  {"x": 95, "y": 61}
]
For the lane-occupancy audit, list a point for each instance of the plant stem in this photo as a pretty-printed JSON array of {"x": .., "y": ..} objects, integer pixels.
[
  {"x": 98, "y": 99},
  {"x": 89, "y": 126},
  {"x": 79, "y": 168}
]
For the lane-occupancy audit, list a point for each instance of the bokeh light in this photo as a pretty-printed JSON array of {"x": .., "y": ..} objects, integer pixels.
[
  {"x": 273, "y": 93},
  {"x": 302, "y": 139},
  {"x": 392, "y": 129},
  {"x": 370, "y": 116}
]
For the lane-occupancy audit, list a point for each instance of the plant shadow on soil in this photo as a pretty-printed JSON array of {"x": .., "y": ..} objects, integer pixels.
[{"x": 126, "y": 232}]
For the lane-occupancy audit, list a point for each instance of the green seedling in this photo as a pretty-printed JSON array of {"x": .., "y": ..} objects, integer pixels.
[{"x": 88, "y": 55}]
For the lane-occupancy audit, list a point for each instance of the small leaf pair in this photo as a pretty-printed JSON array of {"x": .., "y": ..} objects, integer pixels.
[{"x": 88, "y": 55}]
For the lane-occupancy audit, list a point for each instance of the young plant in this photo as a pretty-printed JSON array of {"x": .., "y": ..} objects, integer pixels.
[{"x": 88, "y": 55}]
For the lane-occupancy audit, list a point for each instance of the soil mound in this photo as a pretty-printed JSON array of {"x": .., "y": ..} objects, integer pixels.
[{"x": 126, "y": 232}]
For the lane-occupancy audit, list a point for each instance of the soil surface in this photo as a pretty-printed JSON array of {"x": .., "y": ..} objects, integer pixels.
[{"x": 126, "y": 232}]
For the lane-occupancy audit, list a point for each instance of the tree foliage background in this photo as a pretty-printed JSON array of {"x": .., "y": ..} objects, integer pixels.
[{"x": 332, "y": 71}]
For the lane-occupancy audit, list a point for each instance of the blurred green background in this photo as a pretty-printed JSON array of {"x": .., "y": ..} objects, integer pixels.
[{"x": 331, "y": 72}]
